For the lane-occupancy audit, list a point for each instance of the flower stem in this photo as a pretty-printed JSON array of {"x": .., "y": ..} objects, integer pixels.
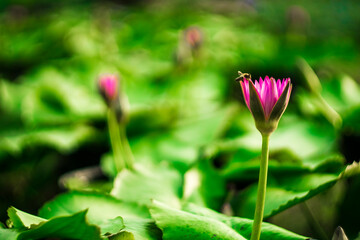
[
  {"x": 129, "y": 158},
  {"x": 115, "y": 139},
  {"x": 260, "y": 202}
]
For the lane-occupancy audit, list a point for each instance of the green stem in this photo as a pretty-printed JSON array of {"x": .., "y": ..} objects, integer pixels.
[
  {"x": 260, "y": 202},
  {"x": 115, "y": 139},
  {"x": 129, "y": 158}
]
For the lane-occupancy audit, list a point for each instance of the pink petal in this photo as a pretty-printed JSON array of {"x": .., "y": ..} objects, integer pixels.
[
  {"x": 267, "y": 99},
  {"x": 274, "y": 91},
  {"x": 257, "y": 86},
  {"x": 261, "y": 81},
  {"x": 263, "y": 92}
]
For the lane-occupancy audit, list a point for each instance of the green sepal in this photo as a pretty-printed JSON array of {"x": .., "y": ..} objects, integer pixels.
[
  {"x": 264, "y": 126},
  {"x": 255, "y": 104},
  {"x": 280, "y": 105}
]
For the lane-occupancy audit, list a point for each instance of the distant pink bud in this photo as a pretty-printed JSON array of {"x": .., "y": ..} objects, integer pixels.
[
  {"x": 109, "y": 88},
  {"x": 193, "y": 37},
  {"x": 267, "y": 100}
]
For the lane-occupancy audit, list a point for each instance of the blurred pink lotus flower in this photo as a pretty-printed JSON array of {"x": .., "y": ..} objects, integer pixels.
[
  {"x": 108, "y": 87},
  {"x": 193, "y": 37},
  {"x": 267, "y": 100}
]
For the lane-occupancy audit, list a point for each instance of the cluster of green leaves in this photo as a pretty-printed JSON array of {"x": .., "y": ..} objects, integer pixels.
[
  {"x": 79, "y": 215},
  {"x": 131, "y": 212},
  {"x": 196, "y": 148}
]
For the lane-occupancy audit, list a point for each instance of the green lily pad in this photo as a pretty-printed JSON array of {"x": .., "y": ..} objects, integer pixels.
[
  {"x": 64, "y": 139},
  {"x": 180, "y": 225},
  {"x": 20, "y": 219},
  {"x": 288, "y": 191},
  {"x": 204, "y": 185},
  {"x": 8, "y": 234},
  {"x": 244, "y": 225},
  {"x": 32, "y": 227},
  {"x": 148, "y": 182},
  {"x": 105, "y": 211},
  {"x": 101, "y": 207}
]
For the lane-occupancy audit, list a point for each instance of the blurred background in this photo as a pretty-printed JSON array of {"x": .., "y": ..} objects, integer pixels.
[{"x": 177, "y": 61}]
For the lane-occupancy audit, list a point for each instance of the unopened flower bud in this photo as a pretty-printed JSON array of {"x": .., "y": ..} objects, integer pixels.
[
  {"x": 193, "y": 37},
  {"x": 108, "y": 86},
  {"x": 267, "y": 100}
]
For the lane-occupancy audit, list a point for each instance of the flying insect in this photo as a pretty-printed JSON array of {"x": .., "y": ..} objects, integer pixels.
[{"x": 243, "y": 76}]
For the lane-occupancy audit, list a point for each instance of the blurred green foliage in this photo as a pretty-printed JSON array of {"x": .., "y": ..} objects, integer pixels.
[{"x": 193, "y": 139}]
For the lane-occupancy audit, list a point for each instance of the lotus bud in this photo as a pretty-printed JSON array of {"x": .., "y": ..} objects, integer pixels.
[
  {"x": 108, "y": 86},
  {"x": 266, "y": 99},
  {"x": 193, "y": 37}
]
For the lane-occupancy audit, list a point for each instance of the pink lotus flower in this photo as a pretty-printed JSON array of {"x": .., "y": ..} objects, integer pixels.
[
  {"x": 267, "y": 100},
  {"x": 108, "y": 87}
]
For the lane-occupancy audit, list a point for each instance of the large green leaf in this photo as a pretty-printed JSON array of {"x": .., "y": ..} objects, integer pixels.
[
  {"x": 8, "y": 234},
  {"x": 101, "y": 207},
  {"x": 64, "y": 138},
  {"x": 60, "y": 100},
  {"x": 243, "y": 225},
  {"x": 71, "y": 226},
  {"x": 64, "y": 227},
  {"x": 104, "y": 211},
  {"x": 22, "y": 219},
  {"x": 177, "y": 224},
  {"x": 123, "y": 236},
  {"x": 112, "y": 226},
  {"x": 204, "y": 185},
  {"x": 281, "y": 163},
  {"x": 142, "y": 229},
  {"x": 148, "y": 182},
  {"x": 285, "y": 192},
  {"x": 280, "y": 197}
]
